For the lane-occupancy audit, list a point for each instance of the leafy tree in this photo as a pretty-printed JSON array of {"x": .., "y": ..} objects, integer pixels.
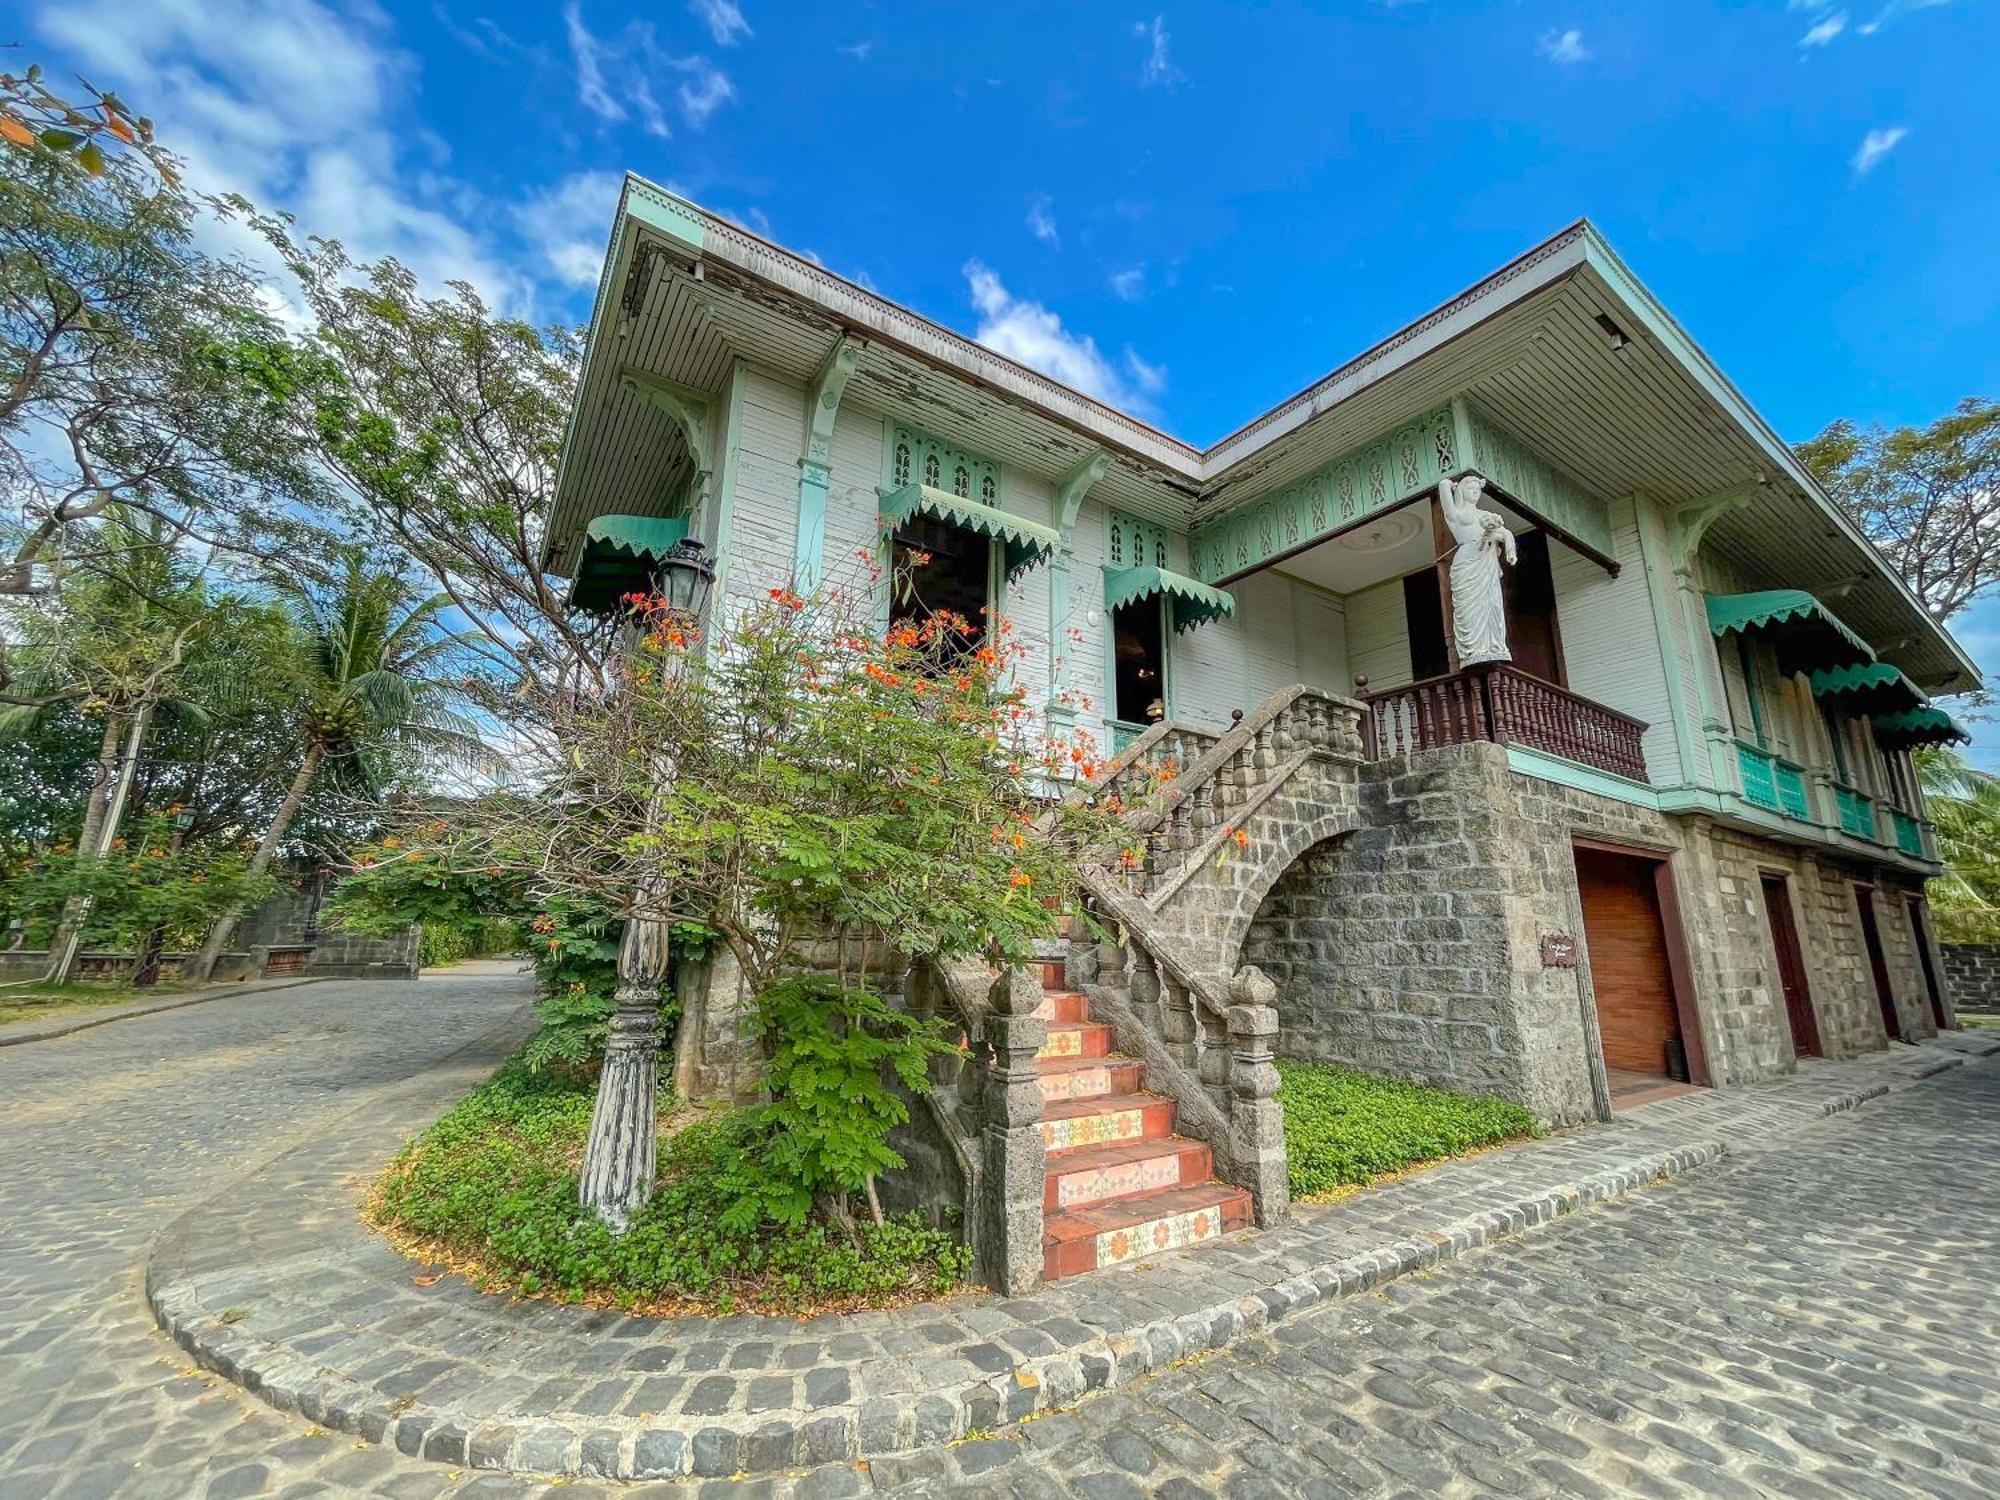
[
  {"x": 825, "y": 799},
  {"x": 135, "y": 370},
  {"x": 441, "y": 424},
  {"x": 1964, "y": 804},
  {"x": 77, "y": 133},
  {"x": 377, "y": 675},
  {"x": 1929, "y": 497}
]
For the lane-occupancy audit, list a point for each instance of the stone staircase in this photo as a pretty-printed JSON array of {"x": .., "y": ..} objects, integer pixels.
[{"x": 1119, "y": 1183}]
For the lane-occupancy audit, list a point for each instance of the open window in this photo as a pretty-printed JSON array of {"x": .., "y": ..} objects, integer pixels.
[
  {"x": 938, "y": 566},
  {"x": 1139, "y": 658}
]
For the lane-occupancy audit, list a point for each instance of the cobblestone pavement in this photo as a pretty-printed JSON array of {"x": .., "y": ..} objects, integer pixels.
[
  {"x": 1806, "y": 1321},
  {"x": 1816, "y": 1321},
  {"x": 105, "y": 1136}
]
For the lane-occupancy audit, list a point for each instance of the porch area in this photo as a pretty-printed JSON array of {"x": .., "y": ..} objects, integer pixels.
[{"x": 1508, "y": 706}]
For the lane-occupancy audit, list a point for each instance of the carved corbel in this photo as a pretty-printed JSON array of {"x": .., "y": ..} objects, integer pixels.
[
  {"x": 1688, "y": 524},
  {"x": 688, "y": 411},
  {"x": 823, "y": 405}
]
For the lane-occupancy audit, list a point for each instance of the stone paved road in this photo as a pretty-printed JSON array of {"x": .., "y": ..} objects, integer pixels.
[
  {"x": 107, "y": 1135},
  {"x": 1812, "y": 1322}
]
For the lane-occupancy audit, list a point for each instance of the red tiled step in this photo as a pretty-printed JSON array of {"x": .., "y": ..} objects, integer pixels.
[
  {"x": 1052, "y": 971},
  {"x": 1091, "y": 1175},
  {"x": 1086, "y": 1239},
  {"x": 1062, "y": 1007},
  {"x": 1089, "y": 1077},
  {"x": 1076, "y": 1039},
  {"x": 1068, "y": 1123}
]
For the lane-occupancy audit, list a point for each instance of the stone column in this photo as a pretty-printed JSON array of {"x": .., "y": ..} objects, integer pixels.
[
  {"x": 1015, "y": 1169},
  {"x": 617, "y": 1176},
  {"x": 1256, "y": 1119}
]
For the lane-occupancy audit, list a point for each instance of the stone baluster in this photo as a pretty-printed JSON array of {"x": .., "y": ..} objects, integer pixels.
[
  {"x": 1204, "y": 810},
  {"x": 1177, "y": 1024},
  {"x": 1144, "y": 989},
  {"x": 1015, "y": 1169},
  {"x": 1256, "y": 1119}
]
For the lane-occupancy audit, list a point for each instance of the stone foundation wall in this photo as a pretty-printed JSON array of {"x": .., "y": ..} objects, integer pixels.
[
  {"x": 1413, "y": 945},
  {"x": 1972, "y": 975}
]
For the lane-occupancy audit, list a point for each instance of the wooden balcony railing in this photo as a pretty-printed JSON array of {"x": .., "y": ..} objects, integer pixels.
[{"x": 1502, "y": 703}]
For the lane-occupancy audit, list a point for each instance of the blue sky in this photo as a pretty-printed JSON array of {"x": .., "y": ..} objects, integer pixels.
[{"x": 1191, "y": 211}]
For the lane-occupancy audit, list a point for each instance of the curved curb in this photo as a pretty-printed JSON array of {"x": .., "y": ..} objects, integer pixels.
[
  {"x": 84, "y": 1023},
  {"x": 748, "y": 1442}
]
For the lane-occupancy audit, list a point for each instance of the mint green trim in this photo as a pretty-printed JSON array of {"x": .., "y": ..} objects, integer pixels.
[
  {"x": 1658, "y": 582},
  {"x": 1582, "y": 778},
  {"x": 620, "y": 555},
  {"x": 659, "y": 209},
  {"x": 1909, "y": 835},
  {"x": 1871, "y": 680},
  {"x": 723, "y": 539},
  {"x": 1070, "y": 490},
  {"x": 816, "y": 462},
  {"x": 1918, "y": 726},
  {"x": 1531, "y": 483},
  {"x": 1857, "y": 811},
  {"x": 1753, "y": 692},
  {"x": 1024, "y": 542},
  {"x": 1190, "y": 604},
  {"x": 1792, "y": 613},
  {"x": 1363, "y": 482}
]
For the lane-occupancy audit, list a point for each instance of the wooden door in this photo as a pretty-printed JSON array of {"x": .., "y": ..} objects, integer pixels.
[
  {"x": 1629, "y": 968},
  {"x": 1920, "y": 931},
  {"x": 1791, "y": 967},
  {"x": 1871, "y": 936}
]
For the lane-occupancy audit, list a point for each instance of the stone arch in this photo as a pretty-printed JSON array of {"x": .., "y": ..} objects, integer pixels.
[{"x": 1295, "y": 839}]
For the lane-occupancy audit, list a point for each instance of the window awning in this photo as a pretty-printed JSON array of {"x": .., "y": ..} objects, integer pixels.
[
  {"x": 1874, "y": 688},
  {"x": 1918, "y": 726},
  {"x": 1192, "y": 603},
  {"x": 1807, "y": 635},
  {"x": 621, "y": 555},
  {"x": 1025, "y": 543}
]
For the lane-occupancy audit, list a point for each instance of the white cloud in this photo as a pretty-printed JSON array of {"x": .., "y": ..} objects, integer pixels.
[
  {"x": 615, "y": 75},
  {"x": 1129, "y": 285},
  {"x": 1875, "y": 145},
  {"x": 1824, "y": 30},
  {"x": 301, "y": 107},
  {"x": 1029, "y": 332},
  {"x": 859, "y": 51},
  {"x": 1042, "y": 219},
  {"x": 565, "y": 224},
  {"x": 1158, "y": 66},
  {"x": 1564, "y": 48},
  {"x": 723, "y": 19}
]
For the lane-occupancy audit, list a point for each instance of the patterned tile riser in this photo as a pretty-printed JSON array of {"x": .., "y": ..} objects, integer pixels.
[
  {"x": 1171, "y": 1233},
  {"x": 1093, "y": 1130},
  {"x": 1120, "y": 1181},
  {"x": 1078, "y": 1083},
  {"x": 1062, "y": 1044}
]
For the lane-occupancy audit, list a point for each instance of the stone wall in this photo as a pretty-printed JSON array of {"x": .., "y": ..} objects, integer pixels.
[
  {"x": 1972, "y": 975},
  {"x": 1413, "y": 945}
]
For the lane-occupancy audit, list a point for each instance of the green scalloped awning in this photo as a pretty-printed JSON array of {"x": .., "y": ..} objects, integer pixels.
[
  {"x": 621, "y": 555},
  {"x": 1918, "y": 726},
  {"x": 1807, "y": 635},
  {"x": 1873, "y": 688},
  {"x": 1025, "y": 542},
  {"x": 1193, "y": 603}
]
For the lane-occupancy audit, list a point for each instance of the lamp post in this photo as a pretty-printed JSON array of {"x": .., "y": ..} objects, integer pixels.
[{"x": 618, "y": 1158}]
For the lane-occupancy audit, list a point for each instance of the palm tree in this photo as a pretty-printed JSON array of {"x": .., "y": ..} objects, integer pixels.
[
  {"x": 1964, "y": 805},
  {"x": 373, "y": 670}
]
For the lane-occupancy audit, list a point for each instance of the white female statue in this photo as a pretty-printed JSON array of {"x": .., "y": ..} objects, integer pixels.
[{"x": 1478, "y": 610}]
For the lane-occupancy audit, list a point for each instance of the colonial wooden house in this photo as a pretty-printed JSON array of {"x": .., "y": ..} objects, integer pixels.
[{"x": 1674, "y": 839}]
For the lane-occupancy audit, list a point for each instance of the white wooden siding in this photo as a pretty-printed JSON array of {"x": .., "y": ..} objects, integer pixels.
[
  {"x": 1378, "y": 636},
  {"x": 763, "y": 507},
  {"x": 1283, "y": 632},
  {"x": 1611, "y": 640}
]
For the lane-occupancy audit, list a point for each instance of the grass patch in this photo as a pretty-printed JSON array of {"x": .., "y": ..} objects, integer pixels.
[
  {"x": 1344, "y": 1129},
  {"x": 490, "y": 1191},
  {"x": 45, "y": 1002}
]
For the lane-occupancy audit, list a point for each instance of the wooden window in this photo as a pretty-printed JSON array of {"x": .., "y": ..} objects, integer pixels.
[{"x": 939, "y": 566}]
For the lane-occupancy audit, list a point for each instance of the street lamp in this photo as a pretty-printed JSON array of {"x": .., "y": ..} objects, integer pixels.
[{"x": 685, "y": 577}]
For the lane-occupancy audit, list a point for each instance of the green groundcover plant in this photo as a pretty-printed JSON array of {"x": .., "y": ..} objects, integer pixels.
[
  {"x": 1343, "y": 1128},
  {"x": 491, "y": 1189}
]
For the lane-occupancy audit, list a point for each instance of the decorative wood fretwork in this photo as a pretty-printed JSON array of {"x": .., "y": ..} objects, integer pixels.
[
  {"x": 1133, "y": 543},
  {"x": 915, "y": 457}
]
